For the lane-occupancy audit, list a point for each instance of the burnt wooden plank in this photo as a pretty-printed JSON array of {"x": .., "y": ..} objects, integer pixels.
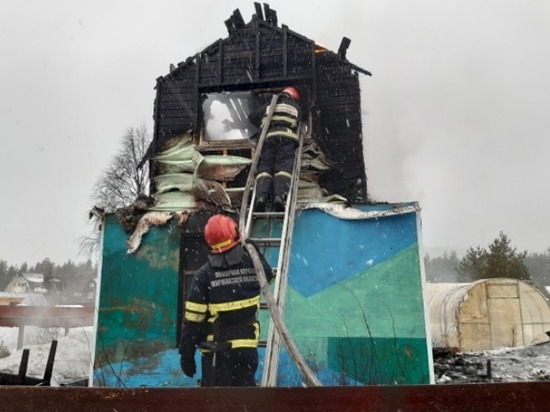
[
  {"x": 285, "y": 51},
  {"x": 168, "y": 108},
  {"x": 174, "y": 121},
  {"x": 257, "y": 52},
  {"x": 175, "y": 98},
  {"x": 220, "y": 62},
  {"x": 180, "y": 115}
]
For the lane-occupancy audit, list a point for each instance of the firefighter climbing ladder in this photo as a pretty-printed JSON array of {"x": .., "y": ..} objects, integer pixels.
[{"x": 275, "y": 303}]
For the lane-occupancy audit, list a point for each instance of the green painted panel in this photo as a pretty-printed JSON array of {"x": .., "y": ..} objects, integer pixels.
[
  {"x": 377, "y": 360},
  {"x": 384, "y": 301},
  {"x": 138, "y": 295}
]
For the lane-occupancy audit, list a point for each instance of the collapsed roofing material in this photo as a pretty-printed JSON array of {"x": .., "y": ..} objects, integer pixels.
[{"x": 487, "y": 314}]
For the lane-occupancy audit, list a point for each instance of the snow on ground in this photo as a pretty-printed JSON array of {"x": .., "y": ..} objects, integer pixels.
[
  {"x": 72, "y": 358},
  {"x": 527, "y": 363},
  {"x": 74, "y": 354}
]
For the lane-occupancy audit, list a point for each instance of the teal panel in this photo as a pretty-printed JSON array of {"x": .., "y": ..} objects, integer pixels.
[
  {"x": 384, "y": 301},
  {"x": 354, "y": 303},
  {"x": 378, "y": 360},
  {"x": 138, "y": 304}
]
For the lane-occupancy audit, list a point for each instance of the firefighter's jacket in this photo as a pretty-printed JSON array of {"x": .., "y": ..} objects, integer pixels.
[
  {"x": 285, "y": 119},
  {"x": 223, "y": 302}
]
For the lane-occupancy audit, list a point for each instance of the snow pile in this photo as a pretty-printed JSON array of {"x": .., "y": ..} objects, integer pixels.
[
  {"x": 72, "y": 358},
  {"x": 521, "y": 364}
]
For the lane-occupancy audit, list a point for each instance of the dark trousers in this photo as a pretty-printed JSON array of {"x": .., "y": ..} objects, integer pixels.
[
  {"x": 275, "y": 166},
  {"x": 234, "y": 367}
]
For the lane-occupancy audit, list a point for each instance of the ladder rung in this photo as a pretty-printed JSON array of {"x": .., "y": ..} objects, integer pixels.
[
  {"x": 266, "y": 241},
  {"x": 268, "y": 215}
]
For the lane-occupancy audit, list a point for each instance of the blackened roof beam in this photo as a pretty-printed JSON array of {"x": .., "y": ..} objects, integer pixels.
[
  {"x": 342, "y": 50},
  {"x": 235, "y": 22},
  {"x": 259, "y": 12},
  {"x": 270, "y": 15}
]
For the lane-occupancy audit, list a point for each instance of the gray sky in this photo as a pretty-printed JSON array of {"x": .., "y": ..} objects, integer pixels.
[{"x": 455, "y": 114}]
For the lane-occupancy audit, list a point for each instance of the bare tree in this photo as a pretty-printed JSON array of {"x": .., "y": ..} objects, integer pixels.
[
  {"x": 123, "y": 181},
  {"x": 120, "y": 184}
]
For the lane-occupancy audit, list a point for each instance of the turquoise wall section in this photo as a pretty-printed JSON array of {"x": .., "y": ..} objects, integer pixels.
[
  {"x": 354, "y": 304},
  {"x": 136, "y": 330}
]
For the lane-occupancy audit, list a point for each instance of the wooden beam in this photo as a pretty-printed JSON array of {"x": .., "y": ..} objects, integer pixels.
[
  {"x": 342, "y": 50},
  {"x": 285, "y": 51},
  {"x": 46, "y": 316},
  {"x": 259, "y": 12}
]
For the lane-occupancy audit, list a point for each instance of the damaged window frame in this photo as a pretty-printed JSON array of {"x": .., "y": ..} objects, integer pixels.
[{"x": 238, "y": 129}]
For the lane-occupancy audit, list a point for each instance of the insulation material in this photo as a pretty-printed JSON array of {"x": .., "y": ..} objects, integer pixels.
[
  {"x": 174, "y": 200},
  {"x": 179, "y": 157},
  {"x": 182, "y": 165},
  {"x": 147, "y": 220},
  {"x": 210, "y": 191},
  {"x": 188, "y": 176},
  {"x": 487, "y": 314},
  {"x": 174, "y": 181},
  {"x": 222, "y": 168},
  {"x": 313, "y": 158}
]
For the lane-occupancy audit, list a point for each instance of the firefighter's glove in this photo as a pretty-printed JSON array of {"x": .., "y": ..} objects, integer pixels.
[{"x": 188, "y": 365}]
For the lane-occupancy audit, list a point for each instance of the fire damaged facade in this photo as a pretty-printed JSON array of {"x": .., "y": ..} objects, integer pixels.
[
  {"x": 354, "y": 303},
  {"x": 261, "y": 56}
]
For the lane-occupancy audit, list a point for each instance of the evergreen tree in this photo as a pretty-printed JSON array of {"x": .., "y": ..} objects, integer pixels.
[
  {"x": 538, "y": 265},
  {"x": 472, "y": 265},
  {"x": 442, "y": 268},
  {"x": 4, "y": 279},
  {"x": 500, "y": 260}
]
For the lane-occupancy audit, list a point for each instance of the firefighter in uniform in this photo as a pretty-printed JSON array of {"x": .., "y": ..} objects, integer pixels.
[
  {"x": 274, "y": 169},
  {"x": 221, "y": 310}
]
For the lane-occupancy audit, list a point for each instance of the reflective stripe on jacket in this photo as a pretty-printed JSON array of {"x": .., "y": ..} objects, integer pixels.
[{"x": 223, "y": 302}]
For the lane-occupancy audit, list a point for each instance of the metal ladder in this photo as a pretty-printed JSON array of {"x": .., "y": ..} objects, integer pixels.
[{"x": 281, "y": 242}]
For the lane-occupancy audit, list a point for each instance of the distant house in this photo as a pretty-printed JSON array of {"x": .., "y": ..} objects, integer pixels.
[{"x": 27, "y": 283}]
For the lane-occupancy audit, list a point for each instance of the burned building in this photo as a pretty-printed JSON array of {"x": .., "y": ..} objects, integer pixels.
[
  {"x": 353, "y": 302},
  {"x": 256, "y": 57}
]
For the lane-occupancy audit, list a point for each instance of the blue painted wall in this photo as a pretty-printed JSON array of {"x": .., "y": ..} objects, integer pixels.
[{"x": 354, "y": 304}]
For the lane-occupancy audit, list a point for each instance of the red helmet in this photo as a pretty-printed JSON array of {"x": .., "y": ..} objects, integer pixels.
[
  {"x": 292, "y": 92},
  {"x": 221, "y": 233}
]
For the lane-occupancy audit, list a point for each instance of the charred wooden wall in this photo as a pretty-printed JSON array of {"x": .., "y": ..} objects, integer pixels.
[
  {"x": 339, "y": 103},
  {"x": 262, "y": 55},
  {"x": 257, "y": 56}
]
